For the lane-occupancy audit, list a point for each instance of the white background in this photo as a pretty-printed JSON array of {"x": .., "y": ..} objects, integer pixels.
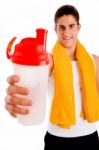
[{"x": 21, "y": 16}]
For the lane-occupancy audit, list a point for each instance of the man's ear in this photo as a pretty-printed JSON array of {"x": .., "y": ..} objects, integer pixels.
[
  {"x": 55, "y": 28},
  {"x": 79, "y": 27}
]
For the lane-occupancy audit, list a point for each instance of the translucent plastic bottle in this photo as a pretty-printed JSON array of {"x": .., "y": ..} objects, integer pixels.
[{"x": 30, "y": 62}]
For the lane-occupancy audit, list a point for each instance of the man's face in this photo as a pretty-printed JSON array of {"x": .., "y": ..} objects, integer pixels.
[{"x": 67, "y": 30}]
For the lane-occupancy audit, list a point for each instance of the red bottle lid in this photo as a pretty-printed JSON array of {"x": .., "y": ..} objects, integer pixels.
[{"x": 30, "y": 51}]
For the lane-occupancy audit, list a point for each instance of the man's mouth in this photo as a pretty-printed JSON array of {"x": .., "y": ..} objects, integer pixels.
[{"x": 67, "y": 39}]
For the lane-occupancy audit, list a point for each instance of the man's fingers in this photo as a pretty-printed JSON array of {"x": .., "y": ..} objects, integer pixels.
[
  {"x": 13, "y": 100},
  {"x": 14, "y": 103},
  {"x": 14, "y": 110},
  {"x": 8, "y": 107},
  {"x": 19, "y": 110},
  {"x": 14, "y": 89},
  {"x": 13, "y": 114},
  {"x": 12, "y": 79}
]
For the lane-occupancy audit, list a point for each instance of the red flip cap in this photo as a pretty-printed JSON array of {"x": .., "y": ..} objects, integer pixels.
[{"x": 30, "y": 51}]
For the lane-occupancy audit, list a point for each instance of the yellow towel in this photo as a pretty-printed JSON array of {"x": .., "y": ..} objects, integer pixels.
[{"x": 63, "y": 105}]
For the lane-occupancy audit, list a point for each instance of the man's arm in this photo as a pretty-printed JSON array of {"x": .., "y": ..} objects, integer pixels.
[
  {"x": 96, "y": 60},
  {"x": 50, "y": 63}
]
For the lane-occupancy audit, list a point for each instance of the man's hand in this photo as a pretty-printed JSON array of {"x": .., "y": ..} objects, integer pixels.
[{"x": 13, "y": 102}]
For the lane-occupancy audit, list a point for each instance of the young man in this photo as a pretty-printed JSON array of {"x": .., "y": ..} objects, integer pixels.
[{"x": 74, "y": 85}]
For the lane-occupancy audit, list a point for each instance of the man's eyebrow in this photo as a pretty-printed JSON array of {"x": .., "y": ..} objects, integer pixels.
[
  {"x": 60, "y": 25},
  {"x": 72, "y": 24}
]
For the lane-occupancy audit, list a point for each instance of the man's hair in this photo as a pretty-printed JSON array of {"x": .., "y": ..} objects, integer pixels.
[{"x": 66, "y": 10}]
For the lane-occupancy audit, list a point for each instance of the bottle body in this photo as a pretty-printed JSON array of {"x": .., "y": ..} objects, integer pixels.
[{"x": 35, "y": 78}]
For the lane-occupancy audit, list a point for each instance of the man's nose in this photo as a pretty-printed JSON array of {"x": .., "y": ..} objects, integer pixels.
[{"x": 67, "y": 32}]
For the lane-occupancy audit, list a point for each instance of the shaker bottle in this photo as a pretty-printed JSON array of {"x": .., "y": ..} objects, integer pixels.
[{"x": 30, "y": 62}]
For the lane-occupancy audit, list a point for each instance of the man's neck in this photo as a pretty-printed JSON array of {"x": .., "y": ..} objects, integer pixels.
[{"x": 71, "y": 53}]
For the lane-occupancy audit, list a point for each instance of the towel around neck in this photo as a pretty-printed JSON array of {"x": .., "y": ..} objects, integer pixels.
[{"x": 63, "y": 104}]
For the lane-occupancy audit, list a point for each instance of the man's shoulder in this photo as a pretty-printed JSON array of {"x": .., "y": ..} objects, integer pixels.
[
  {"x": 96, "y": 60},
  {"x": 95, "y": 57}
]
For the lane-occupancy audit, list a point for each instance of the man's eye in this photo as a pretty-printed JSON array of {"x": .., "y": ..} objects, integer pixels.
[
  {"x": 62, "y": 28},
  {"x": 72, "y": 26}
]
